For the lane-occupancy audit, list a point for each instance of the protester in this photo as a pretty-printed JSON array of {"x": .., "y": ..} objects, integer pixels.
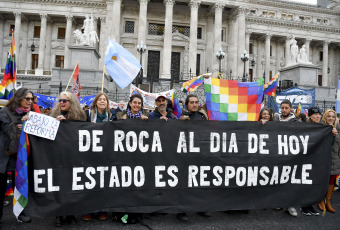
[
  {"x": 120, "y": 110},
  {"x": 11, "y": 119},
  {"x": 100, "y": 111},
  {"x": 194, "y": 112},
  {"x": 67, "y": 108},
  {"x": 35, "y": 105},
  {"x": 302, "y": 117},
  {"x": 330, "y": 118},
  {"x": 287, "y": 115},
  {"x": 162, "y": 111},
  {"x": 266, "y": 114},
  {"x": 47, "y": 111},
  {"x": 314, "y": 116},
  {"x": 135, "y": 108}
]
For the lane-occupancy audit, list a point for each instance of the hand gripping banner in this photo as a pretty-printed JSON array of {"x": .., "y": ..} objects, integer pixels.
[{"x": 177, "y": 166}]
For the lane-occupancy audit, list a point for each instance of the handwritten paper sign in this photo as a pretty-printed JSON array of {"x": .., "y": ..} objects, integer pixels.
[{"x": 41, "y": 125}]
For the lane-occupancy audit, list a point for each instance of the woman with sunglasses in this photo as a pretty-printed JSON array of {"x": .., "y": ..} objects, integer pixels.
[
  {"x": 11, "y": 119},
  {"x": 67, "y": 108},
  {"x": 330, "y": 118}
]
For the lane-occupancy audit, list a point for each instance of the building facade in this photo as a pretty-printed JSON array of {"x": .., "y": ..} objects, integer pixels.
[{"x": 182, "y": 38}]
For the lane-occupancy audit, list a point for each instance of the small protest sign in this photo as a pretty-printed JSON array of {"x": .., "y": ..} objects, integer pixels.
[{"x": 41, "y": 125}]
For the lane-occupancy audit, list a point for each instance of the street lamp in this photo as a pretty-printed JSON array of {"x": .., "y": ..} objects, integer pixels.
[
  {"x": 244, "y": 58},
  {"x": 141, "y": 48},
  {"x": 220, "y": 55}
]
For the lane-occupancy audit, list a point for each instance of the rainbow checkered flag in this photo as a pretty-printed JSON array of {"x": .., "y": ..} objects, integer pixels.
[
  {"x": 230, "y": 100},
  {"x": 193, "y": 84},
  {"x": 270, "y": 87},
  {"x": 20, "y": 198}
]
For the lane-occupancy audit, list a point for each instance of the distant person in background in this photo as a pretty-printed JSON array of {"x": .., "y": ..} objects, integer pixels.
[
  {"x": 120, "y": 110},
  {"x": 35, "y": 106},
  {"x": 47, "y": 111},
  {"x": 303, "y": 117}
]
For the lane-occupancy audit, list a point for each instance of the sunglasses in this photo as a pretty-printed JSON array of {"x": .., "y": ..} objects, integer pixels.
[
  {"x": 29, "y": 98},
  {"x": 63, "y": 100}
]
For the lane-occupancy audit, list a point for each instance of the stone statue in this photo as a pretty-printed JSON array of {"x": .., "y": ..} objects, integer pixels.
[
  {"x": 294, "y": 49},
  {"x": 302, "y": 57},
  {"x": 89, "y": 37}
]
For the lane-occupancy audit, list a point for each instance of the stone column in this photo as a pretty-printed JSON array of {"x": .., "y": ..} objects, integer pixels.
[
  {"x": 287, "y": 52},
  {"x": 17, "y": 29},
  {"x": 42, "y": 44},
  {"x": 142, "y": 27},
  {"x": 210, "y": 52},
  {"x": 117, "y": 4},
  {"x": 102, "y": 42},
  {"x": 267, "y": 50},
  {"x": 325, "y": 64},
  {"x": 68, "y": 36},
  {"x": 233, "y": 48},
  {"x": 193, "y": 35},
  {"x": 47, "y": 63},
  {"x": 95, "y": 26},
  {"x": 307, "y": 44},
  {"x": 259, "y": 71},
  {"x": 278, "y": 56},
  {"x": 167, "y": 46},
  {"x": 248, "y": 33},
  {"x": 241, "y": 39},
  {"x": 1, "y": 41},
  {"x": 219, "y": 7},
  {"x": 23, "y": 48}
]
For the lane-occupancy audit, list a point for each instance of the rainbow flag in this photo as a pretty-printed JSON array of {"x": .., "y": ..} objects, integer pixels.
[
  {"x": 176, "y": 106},
  {"x": 270, "y": 87},
  {"x": 193, "y": 84},
  {"x": 300, "y": 109},
  {"x": 230, "y": 100},
  {"x": 10, "y": 76},
  {"x": 20, "y": 198}
]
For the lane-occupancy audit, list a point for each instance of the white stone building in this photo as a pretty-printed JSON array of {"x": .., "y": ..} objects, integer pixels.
[{"x": 182, "y": 37}]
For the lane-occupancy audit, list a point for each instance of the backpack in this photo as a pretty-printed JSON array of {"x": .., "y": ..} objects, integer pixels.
[{"x": 13, "y": 133}]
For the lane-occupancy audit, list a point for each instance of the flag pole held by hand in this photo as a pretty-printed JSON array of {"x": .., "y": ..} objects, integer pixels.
[{"x": 71, "y": 77}]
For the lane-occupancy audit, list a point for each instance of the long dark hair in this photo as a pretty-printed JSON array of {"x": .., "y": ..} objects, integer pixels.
[
  {"x": 133, "y": 97},
  {"x": 270, "y": 111},
  {"x": 19, "y": 95}
]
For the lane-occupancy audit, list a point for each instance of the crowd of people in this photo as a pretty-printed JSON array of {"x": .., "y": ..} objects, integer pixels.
[{"x": 68, "y": 107}]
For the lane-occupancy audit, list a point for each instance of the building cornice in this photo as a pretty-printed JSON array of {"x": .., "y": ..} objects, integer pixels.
[
  {"x": 295, "y": 6},
  {"x": 91, "y": 3},
  {"x": 290, "y": 24}
]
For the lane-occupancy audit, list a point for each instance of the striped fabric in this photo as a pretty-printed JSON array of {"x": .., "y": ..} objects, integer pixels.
[
  {"x": 230, "y": 100},
  {"x": 270, "y": 87}
]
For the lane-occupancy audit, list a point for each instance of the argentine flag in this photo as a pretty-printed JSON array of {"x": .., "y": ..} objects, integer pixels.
[{"x": 122, "y": 66}]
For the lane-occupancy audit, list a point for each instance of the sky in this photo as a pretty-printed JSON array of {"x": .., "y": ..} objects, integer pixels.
[{"x": 304, "y": 1}]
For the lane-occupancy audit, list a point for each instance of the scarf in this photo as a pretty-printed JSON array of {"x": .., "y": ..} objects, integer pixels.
[
  {"x": 98, "y": 117},
  {"x": 131, "y": 115},
  {"x": 21, "y": 111},
  {"x": 288, "y": 118}
]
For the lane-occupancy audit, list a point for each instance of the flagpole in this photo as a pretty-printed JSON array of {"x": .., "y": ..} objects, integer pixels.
[
  {"x": 71, "y": 77},
  {"x": 14, "y": 82},
  {"x": 103, "y": 79}
]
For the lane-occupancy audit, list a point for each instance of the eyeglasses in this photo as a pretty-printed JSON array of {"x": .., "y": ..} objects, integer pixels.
[
  {"x": 29, "y": 98},
  {"x": 63, "y": 100}
]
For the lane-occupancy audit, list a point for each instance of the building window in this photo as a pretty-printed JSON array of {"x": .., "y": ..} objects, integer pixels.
[
  {"x": 271, "y": 51},
  {"x": 129, "y": 27},
  {"x": 251, "y": 46},
  {"x": 36, "y": 33},
  {"x": 156, "y": 29},
  {"x": 59, "y": 61},
  {"x": 198, "y": 64},
  {"x": 223, "y": 37},
  {"x": 320, "y": 80},
  {"x": 252, "y": 11},
  {"x": 183, "y": 30},
  {"x": 199, "y": 33},
  {"x": 11, "y": 27},
  {"x": 61, "y": 33},
  {"x": 34, "y": 61},
  {"x": 321, "y": 56}
]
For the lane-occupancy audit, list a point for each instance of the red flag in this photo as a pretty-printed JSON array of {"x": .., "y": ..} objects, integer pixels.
[{"x": 76, "y": 83}]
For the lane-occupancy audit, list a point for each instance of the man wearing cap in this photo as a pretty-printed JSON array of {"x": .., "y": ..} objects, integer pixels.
[{"x": 161, "y": 111}]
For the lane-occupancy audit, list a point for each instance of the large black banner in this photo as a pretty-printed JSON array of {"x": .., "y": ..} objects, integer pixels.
[{"x": 178, "y": 166}]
